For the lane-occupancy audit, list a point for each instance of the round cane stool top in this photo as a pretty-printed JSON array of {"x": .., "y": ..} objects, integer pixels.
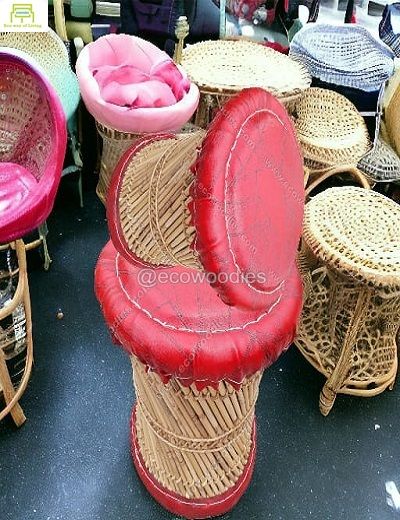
[
  {"x": 174, "y": 322},
  {"x": 232, "y": 65},
  {"x": 238, "y": 201},
  {"x": 330, "y": 129},
  {"x": 356, "y": 232}
]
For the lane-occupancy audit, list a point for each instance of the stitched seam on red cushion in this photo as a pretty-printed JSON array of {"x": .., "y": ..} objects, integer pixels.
[{"x": 186, "y": 329}]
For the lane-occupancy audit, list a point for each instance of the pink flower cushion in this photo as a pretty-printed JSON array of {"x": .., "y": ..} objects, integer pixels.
[
  {"x": 130, "y": 85},
  {"x": 176, "y": 324}
]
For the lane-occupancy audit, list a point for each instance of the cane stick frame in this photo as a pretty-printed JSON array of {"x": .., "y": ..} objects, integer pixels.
[{"x": 21, "y": 295}]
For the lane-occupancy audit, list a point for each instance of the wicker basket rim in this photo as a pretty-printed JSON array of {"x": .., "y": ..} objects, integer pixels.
[
  {"x": 294, "y": 83},
  {"x": 315, "y": 235}
]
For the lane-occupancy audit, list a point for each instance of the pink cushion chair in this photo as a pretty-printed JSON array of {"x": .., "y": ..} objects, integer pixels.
[
  {"x": 131, "y": 87},
  {"x": 32, "y": 148},
  {"x": 32, "y": 145}
]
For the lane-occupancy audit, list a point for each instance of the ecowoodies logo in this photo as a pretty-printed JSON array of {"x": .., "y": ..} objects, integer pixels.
[{"x": 20, "y": 16}]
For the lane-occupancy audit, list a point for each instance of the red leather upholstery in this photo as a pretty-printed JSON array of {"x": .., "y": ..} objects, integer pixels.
[
  {"x": 32, "y": 143},
  {"x": 248, "y": 199},
  {"x": 183, "y": 329}
]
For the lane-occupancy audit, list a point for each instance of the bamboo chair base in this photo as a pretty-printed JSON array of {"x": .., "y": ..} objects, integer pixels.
[
  {"x": 115, "y": 145},
  {"x": 347, "y": 332},
  {"x": 194, "y": 450},
  {"x": 12, "y": 395}
]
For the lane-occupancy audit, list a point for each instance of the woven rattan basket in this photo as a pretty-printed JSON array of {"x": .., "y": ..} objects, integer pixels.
[
  {"x": 157, "y": 185},
  {"x": 381, "y": 164},
  {"x": 346, "y": 55},
  {"x": 223, "y": 68},
  {"x": 330, "y": 129},
  {"x": 350, "y": 262},
  {"x": 196, "y": 444}
]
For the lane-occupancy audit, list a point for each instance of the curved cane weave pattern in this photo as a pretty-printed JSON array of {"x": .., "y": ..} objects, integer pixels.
[
  {"x": 225, "y": 67},
  {"x": 350, "y": 262},
  {"x": 50, "y": 53},
  {"x": 330, "y": 129},
  {"x": 115, "y": 145},
  {"x": 26, "y": 124},
  {"x": 345, "y": 55},
  {"x": 155, "y": 189},
  {"x": 381, "y": 164},
  {"x": 194, "y": 443}
]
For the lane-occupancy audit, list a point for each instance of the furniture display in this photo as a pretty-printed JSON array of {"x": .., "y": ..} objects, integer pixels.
[
  {"x": 216, "y": 227},
  {"x": 350, "y": 263},
  {"x": 223, "y": 68}
]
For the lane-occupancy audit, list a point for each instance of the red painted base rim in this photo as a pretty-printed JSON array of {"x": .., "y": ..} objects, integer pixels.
[{"x": 192, "y": 508}]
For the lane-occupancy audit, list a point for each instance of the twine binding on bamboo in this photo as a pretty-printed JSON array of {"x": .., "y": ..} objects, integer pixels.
[{"x": 196, "y": 444}]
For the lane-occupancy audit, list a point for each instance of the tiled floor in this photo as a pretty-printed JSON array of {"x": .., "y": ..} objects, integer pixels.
[{"x": 71, "y": 460}]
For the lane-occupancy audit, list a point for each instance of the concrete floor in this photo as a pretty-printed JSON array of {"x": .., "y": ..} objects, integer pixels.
[{"x": 71, "y": 459}]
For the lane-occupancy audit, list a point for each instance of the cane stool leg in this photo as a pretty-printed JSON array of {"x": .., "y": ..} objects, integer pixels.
[
  {"x": 9, "y": 393},
  {"x": 197, "y": 445},
  {"x": 21, "y": 296},
  {"x": 348, "y": 332},
  {"x": 343, "y": 366}
]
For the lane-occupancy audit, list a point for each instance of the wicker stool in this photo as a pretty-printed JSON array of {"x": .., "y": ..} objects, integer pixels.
[
  {"x": 330, "y": 130},
  {"x": 350, "y": 261},
  {"x": 168, "y": 188},
  {"x": 202, "y": 209},
  {"x": 223, "y": 68},
  {"x": 8, "y": 339},
  {"x": 120, "y": 124}
]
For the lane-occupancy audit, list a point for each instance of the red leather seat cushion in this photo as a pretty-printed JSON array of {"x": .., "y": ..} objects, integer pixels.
[
  {"x": 184, "y": 329},
  {"x": 248, "y": 199}
]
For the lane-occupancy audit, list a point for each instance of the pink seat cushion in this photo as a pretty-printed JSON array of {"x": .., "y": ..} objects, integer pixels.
[
  {"x": 177, "y": 325},
  {"x": 130, "y": 85},
  {"x": 16, "y": 184}
]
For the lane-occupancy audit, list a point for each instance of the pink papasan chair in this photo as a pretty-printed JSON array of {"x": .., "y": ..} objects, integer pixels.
[
  {"x": 32, "y": 145},
  {"x": 131, "y": 88}
]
